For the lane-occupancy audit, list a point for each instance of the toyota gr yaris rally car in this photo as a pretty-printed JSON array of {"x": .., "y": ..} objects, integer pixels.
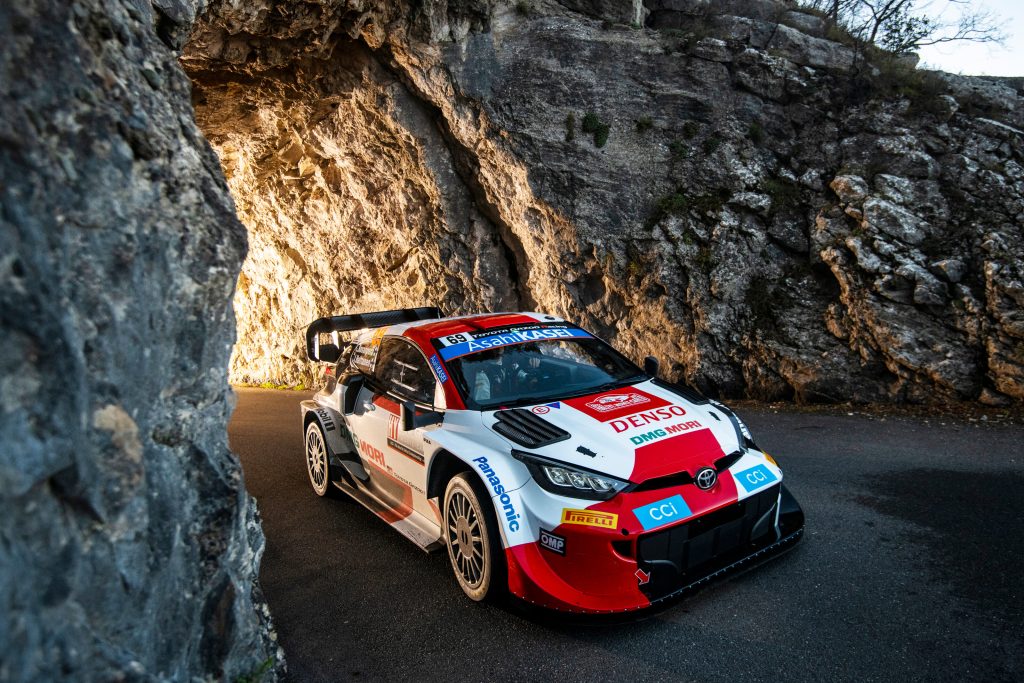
[{"x": 546, "y": 463}]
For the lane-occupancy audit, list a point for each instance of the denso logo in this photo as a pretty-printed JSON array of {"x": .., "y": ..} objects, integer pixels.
[
  {"x": 646, "y": 417},
  {"x": 610, "y": 402}
]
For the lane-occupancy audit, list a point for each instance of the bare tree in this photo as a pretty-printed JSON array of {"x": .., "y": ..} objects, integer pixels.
[{"x": 902, "y": 26}]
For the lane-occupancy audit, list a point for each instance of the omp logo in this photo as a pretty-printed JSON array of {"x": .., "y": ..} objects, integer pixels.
[
  {"x": 507, "y": 508},
  {"x": 603, "y": 520},
  {"x": 549, "y": 541},
  {"x": 610, "y": 402}
]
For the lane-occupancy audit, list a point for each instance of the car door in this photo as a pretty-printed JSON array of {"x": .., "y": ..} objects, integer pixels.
[{"x": 401, "y": 373}]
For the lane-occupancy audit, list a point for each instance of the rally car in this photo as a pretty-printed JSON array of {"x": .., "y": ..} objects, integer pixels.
[{"x": 547, "y": 464}]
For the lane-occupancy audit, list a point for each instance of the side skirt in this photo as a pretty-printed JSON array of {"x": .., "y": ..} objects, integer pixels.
[{"x": 407, "y": 522}]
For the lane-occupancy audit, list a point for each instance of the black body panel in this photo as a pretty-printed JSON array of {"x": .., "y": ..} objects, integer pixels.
[{"x": 681, "y": 557}]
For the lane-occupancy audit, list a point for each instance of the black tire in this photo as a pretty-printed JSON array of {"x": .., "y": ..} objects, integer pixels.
[
  {"x": 473, "y": 539},
  {"x": 318, "y": 462}
]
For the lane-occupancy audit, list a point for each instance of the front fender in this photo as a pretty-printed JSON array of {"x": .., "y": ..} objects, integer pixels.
[{"x": 489, "y": 458}]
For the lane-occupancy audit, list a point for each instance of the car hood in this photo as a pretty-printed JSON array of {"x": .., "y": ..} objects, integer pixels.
[{"x": 635, "y": 433}]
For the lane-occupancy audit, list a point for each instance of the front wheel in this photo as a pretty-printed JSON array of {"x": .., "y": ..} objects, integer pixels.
[
  {"x": 474, "y": 543},
  {"x": 318, "y": 461}
]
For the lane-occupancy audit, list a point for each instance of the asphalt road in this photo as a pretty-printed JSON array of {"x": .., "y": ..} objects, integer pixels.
[{"x": 911, "y": 569}]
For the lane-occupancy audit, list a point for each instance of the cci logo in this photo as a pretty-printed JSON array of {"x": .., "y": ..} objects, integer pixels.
[
  {"x": 662, "y": 512},
  {"x": 755, "y": 478}
]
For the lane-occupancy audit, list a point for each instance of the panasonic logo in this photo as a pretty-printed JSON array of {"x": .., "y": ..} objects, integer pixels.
[{"x": 509, "y": 510}]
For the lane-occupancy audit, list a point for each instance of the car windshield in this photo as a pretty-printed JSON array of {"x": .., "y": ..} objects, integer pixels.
[{"x": 541, "y": 371}]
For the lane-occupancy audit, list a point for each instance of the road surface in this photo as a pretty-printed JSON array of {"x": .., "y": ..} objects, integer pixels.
[{"x": 910, "y": 569}]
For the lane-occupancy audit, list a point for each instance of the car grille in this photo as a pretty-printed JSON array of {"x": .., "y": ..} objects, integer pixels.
[{"x": 683, "y": 552}]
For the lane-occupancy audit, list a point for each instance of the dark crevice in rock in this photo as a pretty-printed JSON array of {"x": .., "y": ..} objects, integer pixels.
[{"x": 467, "y": 167}]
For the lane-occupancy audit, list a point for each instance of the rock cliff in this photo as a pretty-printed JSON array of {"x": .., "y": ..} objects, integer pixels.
[
  {"x": 128, "y": 547},
  {"x": 718, "y": 184}
]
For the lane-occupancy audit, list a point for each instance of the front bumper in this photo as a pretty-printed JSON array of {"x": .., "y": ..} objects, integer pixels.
[{"x": 623, "y": 569}]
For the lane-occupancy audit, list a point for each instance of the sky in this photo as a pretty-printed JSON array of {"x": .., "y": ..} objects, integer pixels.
[{"x": 974, "y": 59}]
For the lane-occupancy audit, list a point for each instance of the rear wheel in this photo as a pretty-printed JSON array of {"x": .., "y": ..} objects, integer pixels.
[
  {"x": 473, "y": 540},
  {"x": 318, "y": 461}
]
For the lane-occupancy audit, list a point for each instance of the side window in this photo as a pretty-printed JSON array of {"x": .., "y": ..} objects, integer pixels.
[
  {"x": 402, "y": 370},
  {"x": 362, "y": 358}
]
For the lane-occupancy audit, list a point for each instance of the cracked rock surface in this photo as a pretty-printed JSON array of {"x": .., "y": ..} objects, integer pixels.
[
  {"x": 129, "y": 549},
  {"x": 768, "y": 222}
]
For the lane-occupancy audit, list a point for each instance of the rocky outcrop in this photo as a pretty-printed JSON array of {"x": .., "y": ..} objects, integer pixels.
[
  {"x": 128, "y": 547},
  {"x": 719, "y": 184},
  {"x": 764, "y": 210}
]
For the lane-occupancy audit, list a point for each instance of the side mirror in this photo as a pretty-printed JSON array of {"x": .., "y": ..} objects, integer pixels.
[
  {"x": 409, "y": 420},
  {"x": 651, "y": 366},
  {"x": 328, "y": 353},
  {"x": 407, "y": 417}
]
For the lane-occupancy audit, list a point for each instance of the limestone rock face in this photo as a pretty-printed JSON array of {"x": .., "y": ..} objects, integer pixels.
[
  {"x": 128, "y": 547},
  {"x": 764, "y": 219}
]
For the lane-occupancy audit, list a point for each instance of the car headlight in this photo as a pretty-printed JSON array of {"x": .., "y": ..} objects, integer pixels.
[
  {"x": 743, "y": 436},
  {"x": 569, "y": 480}
]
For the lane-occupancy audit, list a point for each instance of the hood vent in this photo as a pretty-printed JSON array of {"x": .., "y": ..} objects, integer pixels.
[{"x": 527, "y": 429}]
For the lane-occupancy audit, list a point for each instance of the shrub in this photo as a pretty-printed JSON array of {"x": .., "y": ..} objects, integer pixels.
[
  {"x": 678, "y": 150},
  {"x": 598, "y": 128},
  {"x": 782, "y": 193},
  {"x": 673, "y": 204},
  {"x": 690, "y": 130},
  {"x": 755, "y": 132},
  {"x": 711, "y": 202},
  {"x": 896, "y": 78},
  {"x": 570, "y": 127},
  {"x": 839, "y": 34},
  {"x": 644, "y": 124},
  {"x": 523, "y": 9},
  {"x": 711, "y": 144}
]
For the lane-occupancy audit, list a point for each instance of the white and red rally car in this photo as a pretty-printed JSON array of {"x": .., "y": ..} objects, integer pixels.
[{"x": 547, "y": 464}]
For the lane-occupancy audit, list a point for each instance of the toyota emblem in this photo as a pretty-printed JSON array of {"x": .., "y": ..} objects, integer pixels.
[{"x": 706, "y": 478}]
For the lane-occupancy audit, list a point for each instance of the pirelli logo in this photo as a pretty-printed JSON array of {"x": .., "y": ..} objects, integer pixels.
[{"x": 604, "y": 520}]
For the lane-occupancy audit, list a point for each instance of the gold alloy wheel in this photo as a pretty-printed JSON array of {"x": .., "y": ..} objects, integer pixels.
[
  {"x": 465, "y": 543},
  {"x": 316, "y": 459},
  {"x": 470, "y": 536}
]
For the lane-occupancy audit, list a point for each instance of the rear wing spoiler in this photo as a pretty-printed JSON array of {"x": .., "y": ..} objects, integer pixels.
[{"x": 362, "y": 321}]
